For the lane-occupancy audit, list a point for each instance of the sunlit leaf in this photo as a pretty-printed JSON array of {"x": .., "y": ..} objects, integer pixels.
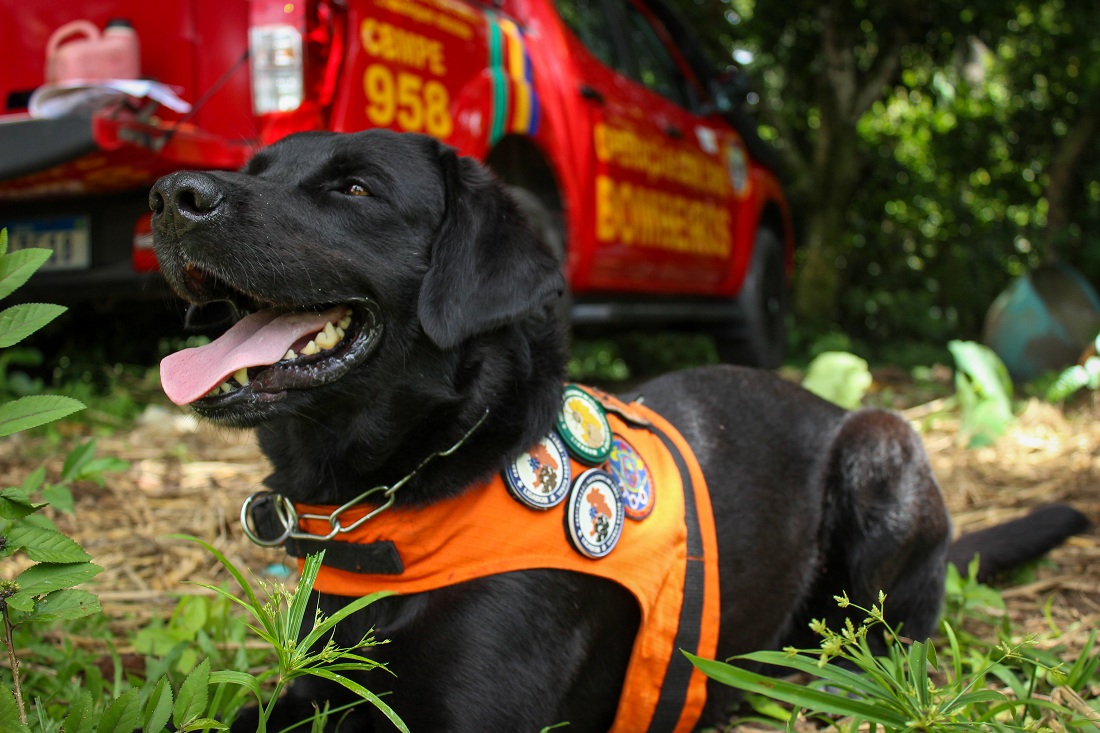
[
  {"x": 46, "y": 545},
  {"x": 20, "y": 321},
  {"x": 17, "y": 267},
  {"x": 123, "y": 715},
  {"x": 34, "y": 410}
]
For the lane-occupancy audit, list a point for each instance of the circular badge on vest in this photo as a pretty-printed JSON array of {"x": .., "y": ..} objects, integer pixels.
[
  {"x": 539, "y": 477},
  {"x": 634, "y": 477},
  {"x": 594, "y": 514},
  {"x": 583, "y": 426}
]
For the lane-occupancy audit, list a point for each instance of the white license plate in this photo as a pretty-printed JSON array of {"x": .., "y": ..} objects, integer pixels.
[{"x": 67, "y": 236}]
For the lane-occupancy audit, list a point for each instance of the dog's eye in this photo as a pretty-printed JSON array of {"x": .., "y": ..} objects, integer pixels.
[{"x": 355, "y": 188}]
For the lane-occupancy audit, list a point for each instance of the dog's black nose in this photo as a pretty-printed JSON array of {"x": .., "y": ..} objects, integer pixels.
[{"x": 187, "y": 197}]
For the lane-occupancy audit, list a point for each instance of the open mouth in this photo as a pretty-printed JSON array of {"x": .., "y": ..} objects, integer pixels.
[{"x": 273, "y": 350}]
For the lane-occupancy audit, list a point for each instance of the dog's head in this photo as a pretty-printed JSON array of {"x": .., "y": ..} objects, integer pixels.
[{"x": 351, "y": 255}]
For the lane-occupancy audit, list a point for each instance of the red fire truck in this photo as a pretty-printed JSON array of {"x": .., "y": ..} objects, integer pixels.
[{"x": 617, "y": 136}]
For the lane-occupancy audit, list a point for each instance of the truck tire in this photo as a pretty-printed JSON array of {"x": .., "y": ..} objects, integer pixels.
[
  {"x": 549, "y": 229},
  {"x": 762, "y": 342}
]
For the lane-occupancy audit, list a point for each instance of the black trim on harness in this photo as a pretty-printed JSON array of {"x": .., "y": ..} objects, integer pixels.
[
  {"x": 674, "y": 689},
  {"x": 374, "y": 558}
]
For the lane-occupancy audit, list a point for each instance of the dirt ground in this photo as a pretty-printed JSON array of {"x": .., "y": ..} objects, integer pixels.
[{"x": 187, "y": 478}]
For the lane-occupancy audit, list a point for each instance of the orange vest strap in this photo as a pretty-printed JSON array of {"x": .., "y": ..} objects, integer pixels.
[
  {"x": 678, "y": 676},
  {"x": 668, "y": 561}
]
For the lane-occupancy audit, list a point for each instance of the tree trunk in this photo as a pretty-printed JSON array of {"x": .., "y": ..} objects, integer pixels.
[
  {"x": 816, "y": 286},
  {"x": 831, "y": 174},
  {"x": 1062, "y": 178}
]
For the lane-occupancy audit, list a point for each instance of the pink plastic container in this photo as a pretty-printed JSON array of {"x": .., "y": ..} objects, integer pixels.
[{"x": 77, "y": 51}]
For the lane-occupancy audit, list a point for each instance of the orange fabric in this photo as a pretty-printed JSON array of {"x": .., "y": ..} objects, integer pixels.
[{"x": 486, "y": 532}]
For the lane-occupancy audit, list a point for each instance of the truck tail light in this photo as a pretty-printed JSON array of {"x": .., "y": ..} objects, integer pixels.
[
  {"x": 275, "y": 42},
  {"x": 297, "y": 50}
]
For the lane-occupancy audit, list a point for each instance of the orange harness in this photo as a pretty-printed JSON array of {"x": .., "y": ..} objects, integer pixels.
[{"x": 668, "y": 560}]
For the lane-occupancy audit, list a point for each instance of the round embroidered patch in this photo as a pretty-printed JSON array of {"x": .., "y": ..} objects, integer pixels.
[
  {"x": 583, "y": 426},
  {"x": 594, "y": 514},
  {"x": 634, "y": 477},
  {"x": 539, "y": 477}
]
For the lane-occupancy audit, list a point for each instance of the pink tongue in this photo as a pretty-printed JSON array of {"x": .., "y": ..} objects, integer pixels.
[{"x": 256, "y": 340}]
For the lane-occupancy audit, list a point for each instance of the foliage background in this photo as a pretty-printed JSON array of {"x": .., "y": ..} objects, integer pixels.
[{"x": 932, "y": 152}]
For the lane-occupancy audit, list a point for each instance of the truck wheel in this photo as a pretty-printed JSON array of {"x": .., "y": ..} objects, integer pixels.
[
  {"x": 549, "y": 229},
  {"x": 763, "y": 340}
]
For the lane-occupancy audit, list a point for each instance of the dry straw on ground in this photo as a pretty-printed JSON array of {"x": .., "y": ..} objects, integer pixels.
[{"x": 191, "y": 479}]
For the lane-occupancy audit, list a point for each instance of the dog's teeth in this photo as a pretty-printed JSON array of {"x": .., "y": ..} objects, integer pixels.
[
  {"x": 226, "y": 387},
  {"x": 344, "y": 322},
  {"x": 310, "y": 348},
  {"x": 327, "y": 338},
  {"x": 289, "y": 355},
  {"x": 241, "y": 375}
]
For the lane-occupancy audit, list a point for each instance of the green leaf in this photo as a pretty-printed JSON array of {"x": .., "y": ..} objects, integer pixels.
[
  {"x": 20, "y": 601},
  {"x": 971, "y": 698},
  {"x": 984, "y": 390},
  {"x": 986, "y": 370},
  {"x": 81, "y": 717},
  {"x": 329, "y": 622},
  {"x": 241, "y": 679},
  {"x": 16, "y": 268},
  {"x": 20, "y": 321},
  {"x": 122, "y": 715},
  {"x": 953, "y": 643},
  {"x": 918, "y": 669},
  {"x": 794, "y": 694},
  {"x": 9, "y": 713},
  {"x": 96, "y": 467},
  {"x": 67, "y": 604},
  {"x": 192, "y": 699},
  {"x": 1084, "y": 667},
  {"x": 300, "y": 601},
  {"x": 34, "y": 410},
  {"x": 76, "y": 460},
  {"x": 835, "y": 675},
  {"x": 839, "y": 377},
  {"x": 1068, "y": 381},
  {"x": 189, "y": 617},
  {"x": 33, "y": 481},
  {"x": 158, "y": 709},
  {"x": 47, "y": 545},
  {"x": 45, "y": 577},
  {"x": 60, "y": 498},
  {"x": 204, "y": 724},
  {"x": 363, "y": 693},
  {"x": 768, "y": 707},
  {"x": 15, "y": 504}
]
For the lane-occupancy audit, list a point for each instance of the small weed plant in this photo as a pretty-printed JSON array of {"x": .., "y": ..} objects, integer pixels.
[
  {"x": 1085, "y": 375},
  {"x": 966, "y": 685},
  {"x": 984, "y": 391},
  {"x": 68, "y": 692}
]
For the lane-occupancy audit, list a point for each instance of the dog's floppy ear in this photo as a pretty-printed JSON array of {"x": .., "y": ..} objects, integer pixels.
[{"x": 487, "y": 266}]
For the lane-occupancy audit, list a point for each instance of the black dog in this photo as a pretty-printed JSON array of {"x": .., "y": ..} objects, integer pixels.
[{"x": 444, "y": 301}]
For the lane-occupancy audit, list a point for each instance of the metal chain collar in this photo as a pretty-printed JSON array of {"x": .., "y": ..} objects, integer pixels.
[{"x": 289, "y": 517}]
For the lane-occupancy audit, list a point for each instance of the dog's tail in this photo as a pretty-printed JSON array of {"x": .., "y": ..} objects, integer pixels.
[{"x": 1019, "y": 541}]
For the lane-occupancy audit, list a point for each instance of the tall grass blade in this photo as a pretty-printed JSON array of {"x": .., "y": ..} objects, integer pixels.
[{"x": 793, "y": 694}]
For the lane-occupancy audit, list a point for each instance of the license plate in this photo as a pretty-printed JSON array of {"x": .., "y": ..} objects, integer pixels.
[{"x": 67, "y": 236}]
